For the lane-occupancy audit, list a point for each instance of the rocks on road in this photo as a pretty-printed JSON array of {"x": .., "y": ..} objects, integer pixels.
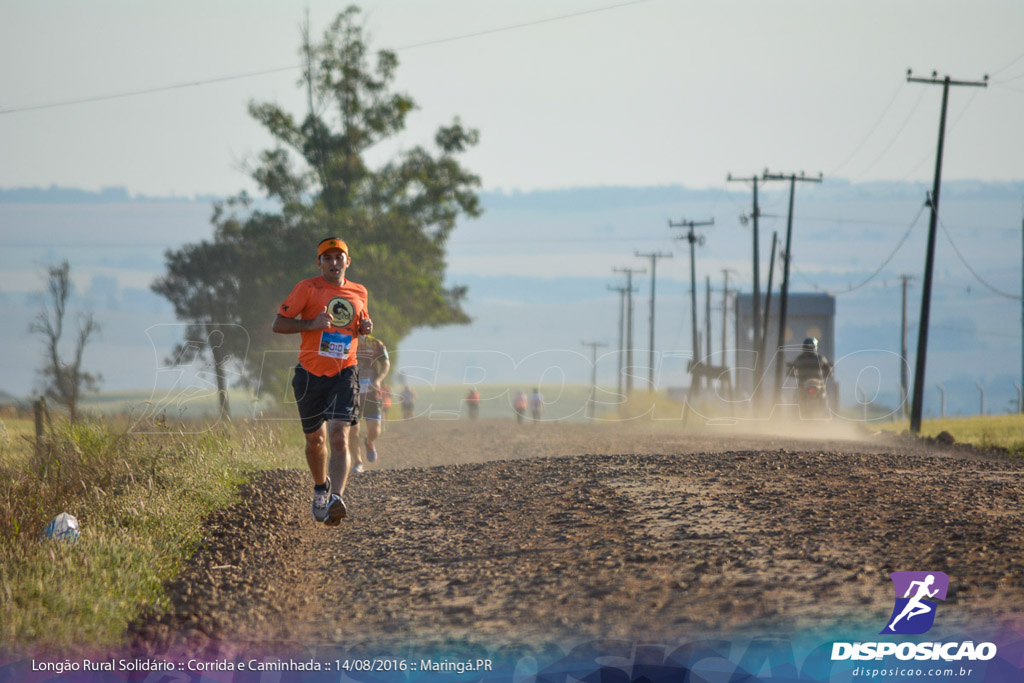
[{"x": 497, "y": 532}]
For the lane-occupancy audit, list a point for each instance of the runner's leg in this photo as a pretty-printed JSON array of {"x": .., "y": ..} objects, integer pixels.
[
  {"x": 316, "y": 454},
  {"x": 341, "y": 459}
]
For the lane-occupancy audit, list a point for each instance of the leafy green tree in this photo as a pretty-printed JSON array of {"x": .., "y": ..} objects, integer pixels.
[
  {"x": 64, "y": 380},
  {"x": 396, "y": 218},
  {"x": 201, "y": 285}
]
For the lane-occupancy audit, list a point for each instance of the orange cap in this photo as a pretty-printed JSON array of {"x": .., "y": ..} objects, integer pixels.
[{"x": 331, "y": 243}]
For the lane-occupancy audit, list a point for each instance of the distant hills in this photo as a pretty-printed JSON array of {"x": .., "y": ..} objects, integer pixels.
[
  {"x": 617, "y": 197},
  {"x": 538, "y": 265},
  {"x": 70, "y": 195}
]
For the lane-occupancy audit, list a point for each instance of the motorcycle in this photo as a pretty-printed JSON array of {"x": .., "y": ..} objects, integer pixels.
[{"x": 812, "y": 398}]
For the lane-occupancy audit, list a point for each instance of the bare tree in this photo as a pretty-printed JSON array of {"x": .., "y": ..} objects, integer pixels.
[{"x": 64, "y": 382}]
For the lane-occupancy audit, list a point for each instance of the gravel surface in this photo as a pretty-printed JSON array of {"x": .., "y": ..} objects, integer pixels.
[{"x": 493, "y": 532}]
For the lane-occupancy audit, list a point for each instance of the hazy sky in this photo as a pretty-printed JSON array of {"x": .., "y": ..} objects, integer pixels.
[{"x": 649, "y": 92}]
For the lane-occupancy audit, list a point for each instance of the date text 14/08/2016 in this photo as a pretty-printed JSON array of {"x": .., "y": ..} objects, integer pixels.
[{"x": 456, "y": 667}]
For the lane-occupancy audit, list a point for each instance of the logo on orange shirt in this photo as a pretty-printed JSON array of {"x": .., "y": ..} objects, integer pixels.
[{"x": 341, "y": 311}]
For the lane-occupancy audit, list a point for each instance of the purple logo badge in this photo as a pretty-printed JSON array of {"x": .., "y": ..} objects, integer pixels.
[{"x": 916, "y": 592}]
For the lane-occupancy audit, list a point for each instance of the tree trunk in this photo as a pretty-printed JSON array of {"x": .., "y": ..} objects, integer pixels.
[{"x": 222, "y": 390}]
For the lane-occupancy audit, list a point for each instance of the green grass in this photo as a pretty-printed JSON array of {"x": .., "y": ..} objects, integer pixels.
[
  {"x": 1004, "y": 431},
  {"x": 174, "y": 406},
  {"x": 140, "y": 501}
]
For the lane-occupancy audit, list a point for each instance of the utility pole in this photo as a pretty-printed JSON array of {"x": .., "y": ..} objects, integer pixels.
[
  {"x": 926, "y": 288},
  {"x": 693, "y": 238},
  {"x": 784, "y": 292},
  {"x": 654, "y": 269},
  {"x": 904, "y": 384},
  {"x": 594, "y": 346},
  {"x": 308, "y": 50},
  {"x": 725, "y": 322},
  {"x": 755, "y": 214},
  {"x": 759, "y": 364},
  {"x": 725, "y": 311},
  {"x": 629, "y": 323},
  {"x": 707, "y": 313},
  {"x": 622, "y": 327}
]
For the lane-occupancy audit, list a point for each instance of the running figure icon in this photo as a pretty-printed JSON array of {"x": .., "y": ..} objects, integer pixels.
[
  {"x": 915, "y": 606},
  {"x": 916, "y": 595}
]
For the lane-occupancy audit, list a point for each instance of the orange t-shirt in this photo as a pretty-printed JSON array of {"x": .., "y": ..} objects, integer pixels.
[{"x": 327, "y": 352}]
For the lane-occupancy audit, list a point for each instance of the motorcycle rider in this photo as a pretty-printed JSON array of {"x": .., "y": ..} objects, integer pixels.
[{"x": 810, "y": 365}]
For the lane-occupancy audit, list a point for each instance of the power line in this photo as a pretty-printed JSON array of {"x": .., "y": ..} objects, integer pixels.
[
  {"x": 1003, "y": 86},
  {"x": 526, "y": 24},
  {"x": 857, "y": 149},
  {"x": 973, "y": 272},
  {"x": 952, "y": 127},
  {"x": 885, "y": 262},
  {"x": 148, "y": 91},
  {"x": 294, "y": 67},
  {"x": 895, "y": 137},
  {"x": 1010, "y": 79},
  {"x": 1011, "y": 63}
]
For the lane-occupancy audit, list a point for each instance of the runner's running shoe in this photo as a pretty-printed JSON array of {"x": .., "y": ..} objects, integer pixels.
[
  {"x": 357, "y": 469},
  {"x": 371, "y": 453},
  {"x": 336, "y": 511},
  {"x": 321, "y": 502}
]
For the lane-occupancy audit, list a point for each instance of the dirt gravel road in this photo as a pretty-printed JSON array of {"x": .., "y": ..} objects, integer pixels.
[{"x": 497, "y": 532}]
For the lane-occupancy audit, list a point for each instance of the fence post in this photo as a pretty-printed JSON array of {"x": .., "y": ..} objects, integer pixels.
[{"x": 39, "y": 407}]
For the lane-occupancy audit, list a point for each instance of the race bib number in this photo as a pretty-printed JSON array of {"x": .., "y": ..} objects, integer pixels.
[{"x": 335, "y": 344}]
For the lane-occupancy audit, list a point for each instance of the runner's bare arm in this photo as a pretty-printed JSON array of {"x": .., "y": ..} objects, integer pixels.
[
  {"x": 283, "y": 325},
  {"x": 383, "y": 367}
]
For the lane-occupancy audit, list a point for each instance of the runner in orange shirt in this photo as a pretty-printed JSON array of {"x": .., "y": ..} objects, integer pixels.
[{"x": 330, "y": 313}]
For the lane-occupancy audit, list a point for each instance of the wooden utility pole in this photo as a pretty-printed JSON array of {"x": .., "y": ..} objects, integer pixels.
[
  {"x": 755, "y": 214},
  {"x": 594, "y": 346},
  {"x": 654, "y": 269},
  {"x": 707, "y": 316},
  {"x": 904, "y": 362},
  {"x": 784, "y": 292},
  {"x": 768, "y": 302},
  {"x": 629, "y": 323},
  {"x": 622, "y": 328},
  {"x": 929, "y": 262},
  {"x": 725, "y": 322},
  {"x": 725, "y": 312},
  {"x": 693, "y": 239}
]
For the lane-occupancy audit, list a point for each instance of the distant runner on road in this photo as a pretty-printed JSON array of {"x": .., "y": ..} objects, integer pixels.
[
  {"x": 330, "y": 313},
  {"x": 473, "y": 403},
  {"x": 520, "y": 405},
  {"x": 536, "y": 404},
  {"x": 374, "y": 365},
  {"x": 408, "y": 398}
]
